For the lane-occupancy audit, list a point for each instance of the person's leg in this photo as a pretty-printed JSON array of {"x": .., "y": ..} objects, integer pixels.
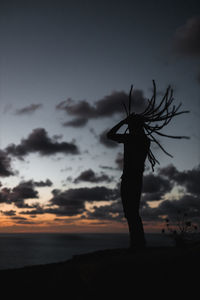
[
  {"x": 130, "y": 195},
  {"x": 136, "y": 231}
]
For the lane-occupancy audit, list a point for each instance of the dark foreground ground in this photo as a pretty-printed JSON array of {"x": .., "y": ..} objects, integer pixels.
[{"x": 154, "y": 272}]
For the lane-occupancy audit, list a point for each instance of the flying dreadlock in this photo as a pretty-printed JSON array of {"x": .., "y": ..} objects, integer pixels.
[{"x": 161, "y": 113}]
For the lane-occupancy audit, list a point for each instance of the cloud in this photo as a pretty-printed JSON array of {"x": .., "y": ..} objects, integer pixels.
[
  {"x": 174, "y": 209},
  {"x": 106, "y": 167},
  {"x": 9, "y": 213},
  {"x": 113, "y": 212},
  {"x": 5, "y": 165},
  {"x": 169, "y": 171},
  {"x": 188, "y": 179},
  {"x": 71, "y": 202},
  {"x": 97, "y": 193},
  {"x": 4, "y": 195},
  {"x": 155, "y": 187},
  {"x": 43, "y": 183},
  {"x": 38, "y": 210},
  {"x": 78, "y": 122},
  {"x": 28, "y": 110},
  {"x": 22, "y": 220},
  {"x": 39, "y": 141},
  {"x": 22, "y": 192},
  {"x": 17, "y": 195},
  {"x": 187, "y": 38},
  {"x": 90, "y": 176},
  {"x": 187, "y": 203},
  {"x": 108, "y": 106}
]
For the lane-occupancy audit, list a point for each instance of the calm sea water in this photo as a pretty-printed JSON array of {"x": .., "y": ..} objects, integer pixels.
[{"x": 19, "y": 250}]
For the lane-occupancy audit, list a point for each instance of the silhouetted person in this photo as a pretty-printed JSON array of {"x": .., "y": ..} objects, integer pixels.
[{"x": 136, "y": 149}]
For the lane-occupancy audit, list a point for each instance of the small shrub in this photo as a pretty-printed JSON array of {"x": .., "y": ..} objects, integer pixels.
[{"x": 181, "y": 230}]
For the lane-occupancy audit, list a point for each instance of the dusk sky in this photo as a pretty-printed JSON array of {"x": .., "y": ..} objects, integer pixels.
[{"x": 65, "y": 68}]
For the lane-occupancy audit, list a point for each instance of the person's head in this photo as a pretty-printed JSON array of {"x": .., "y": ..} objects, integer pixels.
[{"x": 135, "y": 123}]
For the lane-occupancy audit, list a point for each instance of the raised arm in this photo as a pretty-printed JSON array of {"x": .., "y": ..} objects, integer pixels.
[{"x": 112, "y": 133}]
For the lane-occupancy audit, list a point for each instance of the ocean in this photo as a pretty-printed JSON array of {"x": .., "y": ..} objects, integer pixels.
[{"x": 27, "y": 249}]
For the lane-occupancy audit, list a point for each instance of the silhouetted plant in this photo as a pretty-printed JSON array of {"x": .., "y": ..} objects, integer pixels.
[{"x": 181, "y": 229}]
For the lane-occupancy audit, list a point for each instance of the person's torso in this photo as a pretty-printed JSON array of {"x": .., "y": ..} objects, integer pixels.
[{"x": 136, "y": 148}]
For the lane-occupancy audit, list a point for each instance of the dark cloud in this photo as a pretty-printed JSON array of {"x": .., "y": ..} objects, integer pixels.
[
  {"x": 113, "y": 212},
  {"x": 174, "y": 209},
  {"x": 22, "y": 220},
  {"x": 107, "y": 167},
  {"x": 72, "y": 202},
  {"x": 78, "y": 122},
  {"x": 90, "y": 176},
  {"x": 108, "y": 106},
  {"x": 169, "y": 171},
  {"x": 151, "y": 214},
  {"x": 38, "y": 210},
  {"x": 107, "y": 142},
  {"x": 188, "y": 203},
  {"x": 43, "y": 183},
  {"x": 39, "y": 141},
  {"x": 5, "y": 165},
  {"x": 155, "y": 187},
  {"x": 187, "y": 38},
  {"x": 189, "y": 179},
  {"x": 23, "y": 191},
  {"x": 28, "y": 110},
  {"x": 8, "y": 213},
  {"x": 4, "y": 195},
  {"x": 97, "y": 193}
]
